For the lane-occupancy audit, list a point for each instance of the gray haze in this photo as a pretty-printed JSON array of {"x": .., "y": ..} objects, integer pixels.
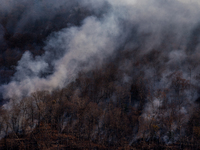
[
  {"x": 168, "y": 26},
  {"x": 101, "y": 37}
]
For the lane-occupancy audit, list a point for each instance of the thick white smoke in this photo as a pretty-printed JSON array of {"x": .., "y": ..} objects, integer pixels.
[
  {"x": 80, "y": 44},
  {"x": 168, "y": 26},
  {"x": 97, "y": 38}
]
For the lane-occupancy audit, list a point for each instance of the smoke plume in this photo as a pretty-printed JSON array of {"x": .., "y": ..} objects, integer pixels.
[{"x": 110, "y": 26}]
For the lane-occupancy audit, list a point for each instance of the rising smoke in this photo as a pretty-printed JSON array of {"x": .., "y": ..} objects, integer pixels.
[
  {"x": 170, "y": 27},
  {"x": 68, "y": 48}
]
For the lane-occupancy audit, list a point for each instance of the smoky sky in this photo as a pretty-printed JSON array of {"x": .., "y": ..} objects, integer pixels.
[
  {"x": 123, "y": 24},
  {"x": 147, "y": 24},
  {"x": 109, "y": 27}
]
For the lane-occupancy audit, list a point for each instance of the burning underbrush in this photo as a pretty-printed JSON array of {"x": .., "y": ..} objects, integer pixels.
[
  {"x": 102, "y": 74},
  {"x": 100, "y": 107}
]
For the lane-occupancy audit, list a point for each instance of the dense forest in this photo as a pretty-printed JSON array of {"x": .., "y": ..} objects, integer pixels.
[{"x": 99, "y": 74}]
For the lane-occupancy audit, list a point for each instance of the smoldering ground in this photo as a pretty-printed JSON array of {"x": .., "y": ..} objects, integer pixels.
[{"x": 110, "y": 27}]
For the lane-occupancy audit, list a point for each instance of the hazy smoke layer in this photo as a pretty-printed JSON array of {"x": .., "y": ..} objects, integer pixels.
[
  {"x": 99, "y": 38},
  {"x": 171, "y": 27}
]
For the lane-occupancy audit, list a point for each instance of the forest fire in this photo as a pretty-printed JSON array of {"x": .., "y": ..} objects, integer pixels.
[{"x": 99, "y": 73}]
